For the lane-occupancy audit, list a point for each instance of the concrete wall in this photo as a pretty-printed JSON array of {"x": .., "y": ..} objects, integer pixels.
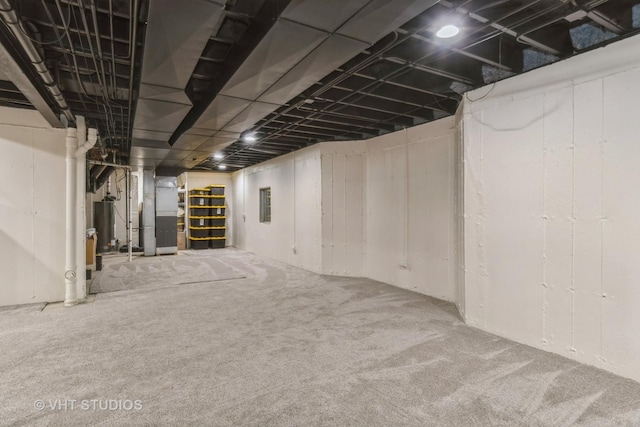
[
  {"x": 294, "y": 233},
  {"x": 552, "y": 237},
  {"x": 201, "y": 180},
  {"x": 32, "y": 208},
  {"x": 410, "y": 201}
]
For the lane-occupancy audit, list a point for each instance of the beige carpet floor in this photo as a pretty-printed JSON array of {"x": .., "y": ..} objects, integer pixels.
[{"x": 247, "y": 341}]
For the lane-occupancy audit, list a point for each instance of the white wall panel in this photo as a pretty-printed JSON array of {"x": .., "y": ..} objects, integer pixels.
[
  {"x": 294, "y": 234},
  {"x": 513, "y": 173},
  {"x": 552, "y": 240},
  {"x": 410, "y": 185},
  {"x": 16, "y": 210},
  {"x": 342, "y": 208},
  {"x": 588, "y": 139},
  {"x": 48, "y": 208},
  {"x": 32, "y": 168},
  {"x": 354, "y": 214},
  {"x": 475, "y": 211},
  {"x": 385, "y": 209},
  {"x": 382, "y": 208},
  {"x": 238, "y": 214},
  {"x": 621, "y": 227},
  {"x": 558, "y": 223},
  {"x": 338, "y": 220},
  {"x": 306, "y": 245}
]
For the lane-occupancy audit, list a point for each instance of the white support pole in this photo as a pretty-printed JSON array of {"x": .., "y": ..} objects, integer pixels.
[
  {"x": 70, "y": 274},
  {"x": 74, "y": 151},
  {"x": 81, "y": 284},
  {"x": 129, "y": 221}
]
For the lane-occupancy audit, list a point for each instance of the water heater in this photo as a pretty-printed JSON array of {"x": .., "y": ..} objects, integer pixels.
[{"x": 104, "y": 222}]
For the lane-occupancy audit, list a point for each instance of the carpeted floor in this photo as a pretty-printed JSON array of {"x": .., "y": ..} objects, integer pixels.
[
  {"x": 185, "y": 268},
  {"x": 281, "y": 346}
]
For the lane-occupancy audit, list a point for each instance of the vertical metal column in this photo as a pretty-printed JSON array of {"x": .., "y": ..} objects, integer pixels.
[
  {"x": 149, "y": 212},
  {"x": 166, "y": 215}
]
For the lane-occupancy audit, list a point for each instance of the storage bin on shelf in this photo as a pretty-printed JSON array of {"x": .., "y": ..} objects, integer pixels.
[
  {"x": 216, "y": 200},
  {"x": 199, "y": 200},
  {"x": 199, "y": 242},
  {"x": 200, "y": 211},
  {"x": 217, "y": 221},
  {"x": 217, "y": 242},
  {"x": 218, "y": 210},
  {"x": 199, "y": 191},
  {"x": 216, "y": 189},
  {"x": 217, "y": 231},
  {"x": 199, "y": 232},
  {"x": 200, "y": 221}
]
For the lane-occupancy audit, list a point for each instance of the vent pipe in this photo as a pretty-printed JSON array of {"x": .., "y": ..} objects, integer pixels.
[
  {"x": 71, "y": 266},
  {"x": 81, "y": 239},
  {"x": 74, "y": 150}
]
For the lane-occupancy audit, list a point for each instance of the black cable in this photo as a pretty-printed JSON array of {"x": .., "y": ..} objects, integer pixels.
[{"x": 49, "y": 43}]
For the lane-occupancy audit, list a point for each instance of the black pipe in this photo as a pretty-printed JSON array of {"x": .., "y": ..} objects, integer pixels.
[{"x": 104, "y": 176}]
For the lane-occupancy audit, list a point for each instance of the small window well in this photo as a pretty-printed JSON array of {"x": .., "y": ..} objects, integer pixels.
[{"x": 265, "y": 204}]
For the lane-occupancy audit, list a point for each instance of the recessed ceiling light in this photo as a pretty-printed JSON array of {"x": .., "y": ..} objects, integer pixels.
[
  {"x": 250, "y": 137},
  {"x": 222, "y": 167},
  {"x": 448, "y": 31},
  {"x": 218, "y": 156}
]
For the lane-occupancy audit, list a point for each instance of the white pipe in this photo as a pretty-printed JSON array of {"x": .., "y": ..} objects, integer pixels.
[
  {"x": 405, "y": 257},
  {"x": 81, "y": 284},
  {"x": 294, "y": 248},
  {"x": 71, "y": 247},
  {"x": 129, "y": 222},
  {"x": 88, "y": 145},
  {"x": 70, "y": 297},
  {"x": 115, "y": 165}
]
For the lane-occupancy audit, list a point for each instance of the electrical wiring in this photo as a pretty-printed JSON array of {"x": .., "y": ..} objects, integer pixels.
[
  {"x": 493, "y": 85},
  {"x": 48, "y": 43}
]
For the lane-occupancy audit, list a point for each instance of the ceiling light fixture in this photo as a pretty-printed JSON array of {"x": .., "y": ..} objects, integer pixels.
[
  {"x": 250, "y": 137},
  {"x": 448, "y": 31},
  {"x": 218, "y": 156},
  {"x": 222, "y": 167}
]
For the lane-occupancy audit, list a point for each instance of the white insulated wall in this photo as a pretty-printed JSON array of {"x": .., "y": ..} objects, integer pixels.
[
  {"x": 381, "y": 208},
  {"x": 294, "y": 233},
  {"x": 343, "y": 206},
  {"x": 409, "y": 214},
  {"x": 552, "y": 236},
  {"x": 32, "y": 208}
]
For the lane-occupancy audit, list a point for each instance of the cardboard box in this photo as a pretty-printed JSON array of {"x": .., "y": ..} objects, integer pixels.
[
  {"x": 92, "y": 243},
  {"x": 182, "y": 241}
]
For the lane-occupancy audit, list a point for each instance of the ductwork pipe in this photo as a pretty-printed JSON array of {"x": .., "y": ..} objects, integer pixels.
[
  {"x": 10, "y": 18},
  {"x": 94, "y": 173},
  {"x": 103, "y": 177}
]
